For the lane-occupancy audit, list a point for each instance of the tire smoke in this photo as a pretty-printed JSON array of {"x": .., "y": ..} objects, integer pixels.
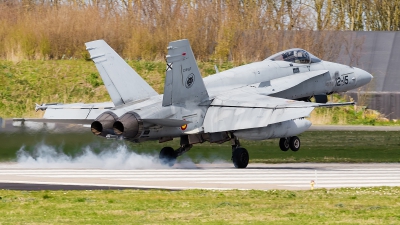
[{"x": 116, "y": 157}]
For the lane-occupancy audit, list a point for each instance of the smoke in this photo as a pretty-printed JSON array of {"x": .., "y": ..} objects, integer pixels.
[{"x": 115, "y": 157}]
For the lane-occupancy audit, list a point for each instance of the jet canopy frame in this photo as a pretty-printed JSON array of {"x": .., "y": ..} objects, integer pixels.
[{"x": 295, "y": 55}]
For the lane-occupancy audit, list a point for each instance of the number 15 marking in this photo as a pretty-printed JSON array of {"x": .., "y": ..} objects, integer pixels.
[{"x": 343, "y": 80}]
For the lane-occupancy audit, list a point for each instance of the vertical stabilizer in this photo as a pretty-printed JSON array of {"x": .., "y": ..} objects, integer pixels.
[
  {"x": 183, "y": 81},
  {"x": 122, "y": 82}
]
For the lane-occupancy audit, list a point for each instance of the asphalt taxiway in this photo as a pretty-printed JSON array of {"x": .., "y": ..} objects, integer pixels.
[{"x": 297, "y": 176}]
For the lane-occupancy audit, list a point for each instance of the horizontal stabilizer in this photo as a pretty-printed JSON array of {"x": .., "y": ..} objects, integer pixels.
[
  {"x": 76, "y": 113},
  {"x": 66, "y": 121},
  {"x": 162, "y": 122},
  {"x": 122, "y": 82}
]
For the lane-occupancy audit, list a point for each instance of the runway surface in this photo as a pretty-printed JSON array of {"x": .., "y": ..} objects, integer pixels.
[{"x": 206, "y": 176}]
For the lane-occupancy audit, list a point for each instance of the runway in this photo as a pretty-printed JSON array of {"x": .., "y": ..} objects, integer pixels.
[{"x": 205, "y": 176}]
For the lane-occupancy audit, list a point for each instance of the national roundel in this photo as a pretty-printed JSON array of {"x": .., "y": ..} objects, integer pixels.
[{"x": 189, "y": 81}]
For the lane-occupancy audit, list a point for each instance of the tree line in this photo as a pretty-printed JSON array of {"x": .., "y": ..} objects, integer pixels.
[{"x": 235, "y": 30}]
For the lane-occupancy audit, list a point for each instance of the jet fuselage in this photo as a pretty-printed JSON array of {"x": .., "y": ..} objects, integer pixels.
[{"x": 340, "y": 78}]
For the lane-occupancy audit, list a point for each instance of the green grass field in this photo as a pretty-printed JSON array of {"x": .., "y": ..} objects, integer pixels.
[
  {"x": 25, "y": 83},
  {"x": 336, "y": 206},
  {"x": 327, "y": 146}
]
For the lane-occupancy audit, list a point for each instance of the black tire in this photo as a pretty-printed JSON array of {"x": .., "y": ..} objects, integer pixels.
[
  {"x": 294, "y": 143},
  {"x": 240, "y": 158},
  {"x": 284, "y": 144},
  {"x": 167, "y": 156}
]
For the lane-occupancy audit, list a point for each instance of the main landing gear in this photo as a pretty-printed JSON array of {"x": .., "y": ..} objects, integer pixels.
[
  {"x": 240, "y": 156},
  {"x": 290, "y": 142},
  {"x": 168, "y": 155}
]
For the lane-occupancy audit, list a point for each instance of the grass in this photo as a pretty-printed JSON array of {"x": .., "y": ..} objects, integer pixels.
[
  {"x": 349, "y": 115},
  {"x": 327, "y": 146},
  {"x": 378, "y": 205},
  {"x": 25, "y": 83}
]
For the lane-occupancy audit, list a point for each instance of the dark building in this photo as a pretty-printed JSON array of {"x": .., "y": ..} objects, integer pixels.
[{"x": 377, "y": 52}]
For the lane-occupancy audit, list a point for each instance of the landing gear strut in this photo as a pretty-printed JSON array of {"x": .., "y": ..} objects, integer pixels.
[
  {"x": 240, "y": 156},
  {"x": 168, "y": 155},
  {"x": 290, "y": 142}
]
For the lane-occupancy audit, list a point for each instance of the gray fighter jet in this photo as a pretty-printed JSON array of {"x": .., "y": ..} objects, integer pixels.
[{"x": 257, "y": 101}]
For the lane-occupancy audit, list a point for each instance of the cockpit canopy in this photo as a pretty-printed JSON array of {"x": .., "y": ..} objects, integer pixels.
[{"x": 295, "y": 55}]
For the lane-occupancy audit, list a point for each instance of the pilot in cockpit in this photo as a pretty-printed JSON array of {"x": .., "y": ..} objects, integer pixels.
[
  {"x": 302, "y": 57},
  {"x": 295, "y": 56}
]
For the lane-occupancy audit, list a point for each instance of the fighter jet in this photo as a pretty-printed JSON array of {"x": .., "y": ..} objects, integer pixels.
[{"x": 257, "y": 101}]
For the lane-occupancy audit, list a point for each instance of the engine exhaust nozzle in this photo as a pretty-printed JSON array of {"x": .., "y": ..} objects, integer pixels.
[
  {"x": 103, "y": 124},
  {"x": 129, "y": 125}
]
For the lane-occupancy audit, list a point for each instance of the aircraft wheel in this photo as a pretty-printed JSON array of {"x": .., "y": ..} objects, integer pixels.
[
  {"x": 167, "y": 156},
  {"x": 294, "y": 143},
  {"x": 284, "y": 144},
  {"x": 240, "y": 158}
]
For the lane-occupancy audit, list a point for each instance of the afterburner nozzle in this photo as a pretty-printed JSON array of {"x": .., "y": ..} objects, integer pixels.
[
  {"x": 129, "y": 125},
  {"x": 96, "y": 127},
  {"x": 103, "y": 124},
  {"x": 118, "y": 128}
]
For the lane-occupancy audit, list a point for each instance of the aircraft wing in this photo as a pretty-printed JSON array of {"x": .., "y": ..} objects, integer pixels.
[{"x": 245, "y": 109}]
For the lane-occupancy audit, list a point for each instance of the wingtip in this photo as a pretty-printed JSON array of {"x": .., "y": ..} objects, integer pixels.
[{"x": 93, "y": 44}]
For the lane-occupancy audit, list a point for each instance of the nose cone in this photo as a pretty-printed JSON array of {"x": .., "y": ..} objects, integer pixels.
[{"x": 363, "y": 77}]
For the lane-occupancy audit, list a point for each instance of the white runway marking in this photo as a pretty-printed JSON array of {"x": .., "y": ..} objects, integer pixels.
[{"x": 219, "y": 176}]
